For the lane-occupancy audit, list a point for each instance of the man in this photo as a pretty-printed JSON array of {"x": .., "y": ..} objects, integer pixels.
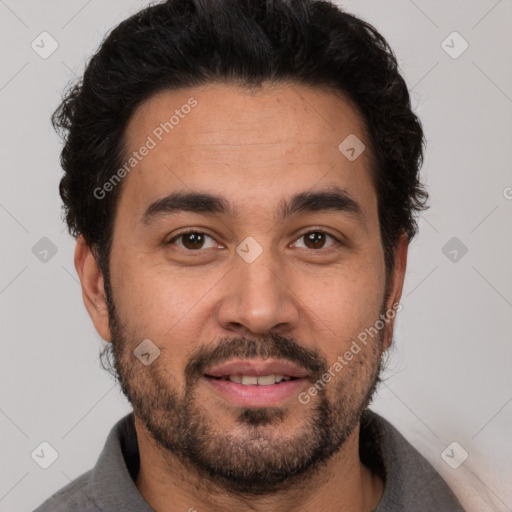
[{"x": 242, "y": 179}]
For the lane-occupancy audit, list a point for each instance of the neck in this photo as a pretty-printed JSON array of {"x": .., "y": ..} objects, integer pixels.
[{"x": 343, "y": 484}]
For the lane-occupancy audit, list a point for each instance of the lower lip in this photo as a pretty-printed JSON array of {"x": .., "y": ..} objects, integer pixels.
[{"x": 256, "y": 396}]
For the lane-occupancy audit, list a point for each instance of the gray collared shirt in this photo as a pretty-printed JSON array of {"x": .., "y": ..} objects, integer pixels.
[{"x": 411, "y": 483}]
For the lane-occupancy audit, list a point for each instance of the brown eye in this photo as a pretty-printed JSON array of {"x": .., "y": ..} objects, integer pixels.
[
  {"x": 316, "y": 239},
  {"x": 192, "y": 240}
]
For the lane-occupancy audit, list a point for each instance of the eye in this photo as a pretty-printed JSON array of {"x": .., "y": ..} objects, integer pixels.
[
  {"x": 316, "y": 239},
  {"x": 192, "y": 240},
  {"x": 195, "y": 240}
]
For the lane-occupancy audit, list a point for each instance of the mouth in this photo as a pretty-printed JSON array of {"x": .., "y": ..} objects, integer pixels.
[
  {"x": 253, "y": 380},
  {"x": 256, "y": 383}
]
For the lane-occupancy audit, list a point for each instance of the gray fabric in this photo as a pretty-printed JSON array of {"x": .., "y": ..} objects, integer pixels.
[{"x": 411, "y": 485}]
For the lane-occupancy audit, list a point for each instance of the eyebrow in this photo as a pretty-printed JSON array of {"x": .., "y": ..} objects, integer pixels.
[{"x": 332, "y": 199}]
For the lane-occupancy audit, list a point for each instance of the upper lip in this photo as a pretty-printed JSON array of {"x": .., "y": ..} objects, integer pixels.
[{"x": 256, "y": 368}]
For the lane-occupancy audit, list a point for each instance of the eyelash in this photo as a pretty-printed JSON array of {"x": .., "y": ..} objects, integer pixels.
[{"x": 188, "y": 232}]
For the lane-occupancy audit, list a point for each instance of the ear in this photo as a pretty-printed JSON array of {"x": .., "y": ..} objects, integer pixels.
[
  {"x": 93, "y": 291},
  {"x": 395, "y": 287}
]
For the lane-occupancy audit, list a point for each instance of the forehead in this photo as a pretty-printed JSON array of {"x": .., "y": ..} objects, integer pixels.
[{"x": 246, "y": 144}]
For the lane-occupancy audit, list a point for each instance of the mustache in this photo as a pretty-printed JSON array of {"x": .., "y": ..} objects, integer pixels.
[{"x": 273, "y": 346}]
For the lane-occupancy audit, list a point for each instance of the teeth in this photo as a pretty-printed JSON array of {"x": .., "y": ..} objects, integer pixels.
[
  {"x": 263, "y": 380},
  {"x": 249, "y": 381}
]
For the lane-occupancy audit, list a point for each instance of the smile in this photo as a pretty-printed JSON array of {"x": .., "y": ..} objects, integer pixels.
[{"x": 251, "y": 380}]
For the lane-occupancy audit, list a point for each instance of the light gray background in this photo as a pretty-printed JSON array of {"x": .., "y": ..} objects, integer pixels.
[{"x": 449, "y": 375}]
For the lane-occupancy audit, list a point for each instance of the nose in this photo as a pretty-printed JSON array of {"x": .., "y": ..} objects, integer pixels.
[{"x": 258, "y": 298}]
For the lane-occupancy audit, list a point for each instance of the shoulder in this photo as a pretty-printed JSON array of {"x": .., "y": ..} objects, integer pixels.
[
  {"x": 411, "y": 482},
  {"x": 109, "y": 484},
  {"x": 75, "y": 496}
]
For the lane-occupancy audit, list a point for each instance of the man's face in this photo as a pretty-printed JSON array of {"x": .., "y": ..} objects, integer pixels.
[{"x": 250, "y": 285}]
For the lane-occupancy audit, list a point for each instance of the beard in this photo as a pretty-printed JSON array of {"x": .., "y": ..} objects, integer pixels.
[{"x": 255, "y": 453}]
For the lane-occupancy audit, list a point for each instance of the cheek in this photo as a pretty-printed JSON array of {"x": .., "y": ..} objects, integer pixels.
[
  {"x": 161, "y": 304},
  {"x": 344, "y": 303}
]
